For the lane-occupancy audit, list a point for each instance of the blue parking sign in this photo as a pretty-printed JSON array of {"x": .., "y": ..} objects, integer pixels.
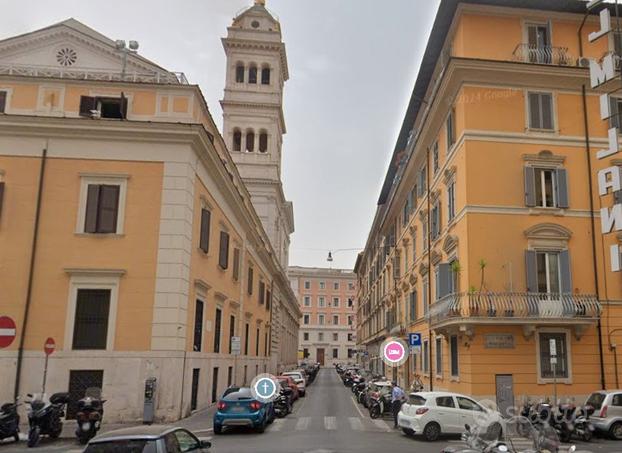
[{"x": 414, "y": 339}]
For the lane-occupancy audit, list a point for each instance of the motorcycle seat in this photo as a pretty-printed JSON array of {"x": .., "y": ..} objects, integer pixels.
[{"x": 7, "y": 407}]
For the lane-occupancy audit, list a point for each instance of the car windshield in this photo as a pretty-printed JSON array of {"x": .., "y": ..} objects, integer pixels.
[
  {"x": 596, "y": 400},
  {"x": 416, "y": 400},
  {"x": 123, "y": 446},
  {"x": 241, "y": 394}
]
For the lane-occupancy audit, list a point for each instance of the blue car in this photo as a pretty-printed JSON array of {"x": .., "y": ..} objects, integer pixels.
[{"x": 237, "y": 407}]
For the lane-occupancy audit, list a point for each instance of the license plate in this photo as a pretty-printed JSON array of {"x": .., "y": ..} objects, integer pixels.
[
  {"x": 237, "y": 409},
  {"x": 86, "y": 426}
]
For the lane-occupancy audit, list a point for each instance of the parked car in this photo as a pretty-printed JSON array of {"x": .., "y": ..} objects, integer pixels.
[
  {"x": 289, "y": 382},
  {"x": 239, "y": 408},
  {"x": 436, "y": 413},
  {"x": 299, "y": 379},
  {"x": 147, "y": 439},
  {"x": 607, "y": 416}
]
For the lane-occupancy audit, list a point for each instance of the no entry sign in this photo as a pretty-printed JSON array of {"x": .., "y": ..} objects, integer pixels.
[
  {"x": 7, "y": 331},
  {"x": 50, "y": 346}
]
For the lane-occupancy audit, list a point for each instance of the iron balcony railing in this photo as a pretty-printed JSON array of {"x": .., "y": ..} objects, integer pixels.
[
  {"x": 530, "y": 53},
  {"x": 163, "y": 77},
  {"x": 514, "y": 307}
]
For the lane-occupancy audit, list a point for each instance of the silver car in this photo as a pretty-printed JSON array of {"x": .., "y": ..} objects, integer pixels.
[
  {"x": 607, "y": 417},
  {"x": 148, "y": 439}
]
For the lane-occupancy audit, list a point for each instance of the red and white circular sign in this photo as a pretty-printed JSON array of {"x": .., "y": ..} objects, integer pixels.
[
  {"x": 7, "y": 331},
  {"x": 50, "y": 346}
]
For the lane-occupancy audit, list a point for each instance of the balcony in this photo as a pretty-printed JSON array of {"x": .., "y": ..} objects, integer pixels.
[
  {"x": 529, "y": 53},
  {"x": 463, "y": 311}
]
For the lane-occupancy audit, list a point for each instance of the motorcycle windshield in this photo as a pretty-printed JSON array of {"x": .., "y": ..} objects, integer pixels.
[
  {"x": 93, "y": 392},
  {"x": 543, "y": 435}
]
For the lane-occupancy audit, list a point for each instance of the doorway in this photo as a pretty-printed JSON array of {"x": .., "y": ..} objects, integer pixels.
[
  {"x": 195, "y": 389},
  {"x": 79, "y": 381},
  {"x": 320, "y": 356},
  {"x": 215, "y": 385},
  {"x": 505, "y": 394}
]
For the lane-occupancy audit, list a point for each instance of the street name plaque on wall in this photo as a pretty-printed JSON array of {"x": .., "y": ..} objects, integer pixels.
[{"x": 499, "y": 341}]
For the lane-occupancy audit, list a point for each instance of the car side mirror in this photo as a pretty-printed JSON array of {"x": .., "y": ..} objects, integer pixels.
[
  {"x": 467, "y": 427},
  {"x": 205, "y": 444}
]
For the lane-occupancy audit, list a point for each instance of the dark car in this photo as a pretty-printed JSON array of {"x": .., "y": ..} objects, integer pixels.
[
  {"x": 239, "y": 408},
  {"x": 147, "y": 439}
]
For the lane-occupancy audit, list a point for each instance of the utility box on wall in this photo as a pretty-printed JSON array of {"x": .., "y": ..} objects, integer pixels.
[{"x": 150, "y": 400}]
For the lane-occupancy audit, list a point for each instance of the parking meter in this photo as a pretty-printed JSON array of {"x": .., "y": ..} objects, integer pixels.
[{"x": 150, "y": 400}]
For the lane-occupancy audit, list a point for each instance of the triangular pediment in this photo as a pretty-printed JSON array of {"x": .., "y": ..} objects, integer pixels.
[{"x": 71, "y": 45}]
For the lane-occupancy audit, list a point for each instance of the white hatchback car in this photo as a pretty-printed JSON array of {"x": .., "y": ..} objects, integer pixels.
[{"x": 436, "y": 413}]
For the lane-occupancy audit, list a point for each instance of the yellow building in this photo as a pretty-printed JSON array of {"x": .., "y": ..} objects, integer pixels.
[
  {"x": 126, "y": 233},
  {"x": 487, "y": 238}
]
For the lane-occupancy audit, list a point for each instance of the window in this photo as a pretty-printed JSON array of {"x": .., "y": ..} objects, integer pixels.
[
  {"x": 435, "y": 158},
  {"x": 2, "y": 101},
  {"x": 198, "y": 326},
  {"x": 414, "y": 249},
  {"x": 350, "y": 337},
  {"x": 229, "y": 376},
  {"x": 102, "y": 208},
  {"x": 453, "y": 346},
  {"x": 451, "y": 129},
  {"x": 437, "y": 283},
  {"x": 320, "y": 319},
  {"x": 252, "y": 74},
  {"x": 106, "y": 107},
  {"x": 615, "y": 103},
  {"x": 237, "y": 140},
  {"x": 239, "y": 73},
  {"x": 217, "y": 327},
  {"x": 539, "y": 43},
  {"x": 422, "y": 181},
  {"x": 335, "y": 353},
  {"x": 426, "y": 357},
  {"x": 321, "y": 302},
  {"x": 236, "y": 264},
  {"x": 322, "y": 285},
  {"x": 305, "y": 319},
  {"x": 436, "y": 220},
  {"x": 231, "y": 332},
  {"x": 305, "y": 353},
  {"x": 223, "y": 253},
  {"x": 257, "y": 344},
  {"x": 307, "y": 284},
  {"x": 350, "y": 302},
  {"x": 336, "y": 320},
  {"x": 451, "y": 201},
  {"x": 468, "y": 404},
  {"x": 413, "y": 306},
  {"x": 320, "y": 336},
  {"x": 205, "y": 230},
  {"x": 336, "y": 286},
  {"x": 405, "y": 213},
  {"x": 424, "y": 233},
  {"x": 350, "y": 353},
  {"x": 335, "y": 336},
  {"x": 439, "y": 356},
  {"x": 262, "y": 292},
  {"x": 246, "y": 340},
  {"x": 265, "y": 76},
  {"x": 561, "y": 369},
  {"x": 263, "y": 142},
  {"x": 250, "y": 281},
  {"x": 305, "y": 336},
  {"x": 336, "y": 302},
  {"x": 424, "y": 297},
  {"x": 90, "y": 328},
  {"x": 549, "y": 277},
  {"x": 351, "y": 286},
  {"x": 307, "y": 301},
  {"x": 540, "y": 111},
  {"x": 250, "y": 141},
  {"x": 445, "y": 401},
  {"x": 349, "y": 320},
  {"x": 546, "y": 187}
]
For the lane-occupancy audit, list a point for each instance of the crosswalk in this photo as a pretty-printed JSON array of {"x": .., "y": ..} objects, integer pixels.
[
  {"x": 330, "y": 423},
  {"x": 517, "y": 444}
]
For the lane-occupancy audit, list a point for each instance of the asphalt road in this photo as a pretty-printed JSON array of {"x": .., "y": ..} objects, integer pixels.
[{"x": 327, "y": 420}]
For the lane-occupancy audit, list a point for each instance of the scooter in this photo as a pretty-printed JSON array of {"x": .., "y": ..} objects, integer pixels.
[
  {"x": 582, "y": 424},
  {"x": 89, "y": 415},
  {"x": 379, "y": 404},
  {"x": 282, "y": 405},
  {"x": 477, "y": 444},
  {"x": 9, "y": 421},
  {"x": 44, "y": 416}
]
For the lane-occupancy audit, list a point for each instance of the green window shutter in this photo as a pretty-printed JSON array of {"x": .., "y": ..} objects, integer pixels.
[
  {"x": 531, "y": 271},
  {"x": 564, "y": 268},
  {"x": 92, "y": 208},
  {"x": 205, "y": 230},
  {"x": 530, "y": 186},
  {"x": 223, "y": 254},
  {"x": 108, "y": 208},
  {"x": 535, "y": 121},
  {"x": 562, "y": 188}
]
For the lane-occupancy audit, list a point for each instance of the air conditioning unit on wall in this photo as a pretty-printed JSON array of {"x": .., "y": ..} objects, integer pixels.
[{"x": 583, "y": 62}]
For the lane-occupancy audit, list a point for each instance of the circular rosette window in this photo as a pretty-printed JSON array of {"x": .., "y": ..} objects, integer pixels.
[{"x": 66, "y": 56}]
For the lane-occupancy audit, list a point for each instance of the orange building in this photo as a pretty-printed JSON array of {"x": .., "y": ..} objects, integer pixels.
[{"x": 487, "y": 237}]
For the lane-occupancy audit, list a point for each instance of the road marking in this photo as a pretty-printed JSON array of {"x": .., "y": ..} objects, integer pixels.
[
  {"x": 278, "y": 424},
  {"x": 208, "y": 430},
  {"x": 356, "y": 405},
  {"x": 303, "y": 423},
  {"x": 330, "y": 423},
  {"x": 356, "y": 423},
  {"x": 382, "y": 425}
]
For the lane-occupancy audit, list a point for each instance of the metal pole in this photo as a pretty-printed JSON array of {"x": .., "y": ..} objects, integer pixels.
[
  {"x": 45, "y": 374},
  {"x": 555, "y": 382}
]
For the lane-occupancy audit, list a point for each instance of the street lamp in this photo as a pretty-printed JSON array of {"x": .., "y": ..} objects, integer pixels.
[{"x": 125, "y": 49}]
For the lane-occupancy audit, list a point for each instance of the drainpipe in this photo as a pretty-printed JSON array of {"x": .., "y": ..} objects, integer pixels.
[
  {"x": 588, "y": 159},
  {"x": 33, "y": 254},
  {"x": 429, "y": 239}
]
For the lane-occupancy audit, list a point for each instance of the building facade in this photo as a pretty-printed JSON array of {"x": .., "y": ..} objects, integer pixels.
[
  {"x": 487, "y": 237},
  {"x": 253, "y": 119},
  {"x": 127, "y": 233},
  {"x": 327, "y": 299}
]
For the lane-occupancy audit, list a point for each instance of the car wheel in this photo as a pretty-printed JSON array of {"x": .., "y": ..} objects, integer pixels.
[
  {"x": 432, "y": 431},
  {"x": 217, "y": 429},
  {"x": 616, "y": 431},
  {"x": 408, "y": 431},
  {"x": 261, "y": 428}
]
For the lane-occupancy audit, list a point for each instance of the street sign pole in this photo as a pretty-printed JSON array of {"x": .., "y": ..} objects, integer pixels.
[
  {"x": 553, "y": 351},
  {"x": 48, "y": 347},
  {"x": 45, "y": 374}
]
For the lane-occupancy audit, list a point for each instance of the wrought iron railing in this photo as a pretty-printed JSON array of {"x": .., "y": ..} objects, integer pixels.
[
  {"x": 171, "y": 78},
  {"x": 514, "y": 306},
  {"x": 530, "y": 53}
]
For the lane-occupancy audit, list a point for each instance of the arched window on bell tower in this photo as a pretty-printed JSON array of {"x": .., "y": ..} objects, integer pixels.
[
  {"x": 239, "y": 72},
  {"x": 265, "y": 75},
  {"x": 252, "y": 74},
  {"x": 237, "y": 140},
  {"x": 263, "y": 142},
  {"x": 250, "y": 141}
]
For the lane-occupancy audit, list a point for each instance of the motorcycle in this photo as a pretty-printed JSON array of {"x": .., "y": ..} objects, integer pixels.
[
  {"x": 476, "y": 443},
  {"x": 379, "y": 404},
  {"x": 89, "y": 415},
  {"x": 282, "y": 405},
  {"x": 582, "y": 425},
  {"x": 44, "y": 416},
  {"x": 9, "y": 421}
]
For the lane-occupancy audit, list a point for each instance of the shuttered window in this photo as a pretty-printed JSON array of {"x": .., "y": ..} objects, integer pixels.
[
  {"x": 540, "y": 111},
  {"x": 198, "y": 326},
  {"x": 426, "y": 357},
  {"x": 231, "y": 332},
  {"x": 262, "y": 292},
  {"x": 2, "y": 101},
  {"x": 102, "y": 208},
  {"x": 453, "y": 350},
  {"x": 1, "y": 196},
  {"x": 90, "y": 330},
  {"x": 413, "y": 306},
  {"x": 246, "y": 339},
  {"x": 268, "y": 299},
  {"x": 205, "y": 230},
  {"x": 108, "y": 107},
  {"x": 236, "y": 264},
  {"x": 223, "y": 253},
  {"x": 250, "y": 281},
  {"x": 217, "y": 329},
  {"x": 439, "y": 356},
  {"x": 436, "y": 221},
  {"x": 451, "y": 201},
  {"x": 451, "y": 129},
  {"x": 546, "y": 187},
  {"x": 548, "y": 272}
]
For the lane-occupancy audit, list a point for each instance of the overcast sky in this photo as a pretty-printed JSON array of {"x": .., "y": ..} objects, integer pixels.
[{"x": 352, "y": 67}]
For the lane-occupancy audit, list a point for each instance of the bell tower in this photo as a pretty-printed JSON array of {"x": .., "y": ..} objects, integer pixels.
[{"x": 253, "y": 120}]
